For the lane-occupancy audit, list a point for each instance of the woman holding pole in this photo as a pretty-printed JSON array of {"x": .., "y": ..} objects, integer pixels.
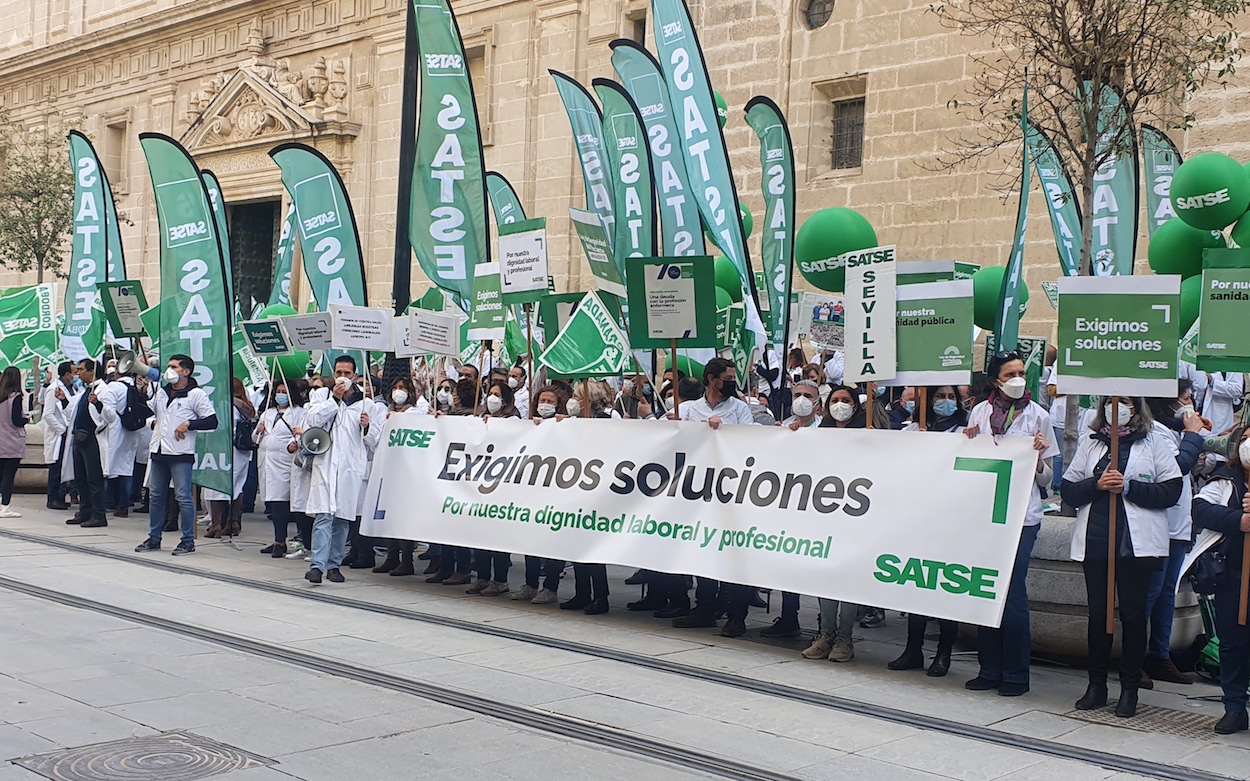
[
  {"x": 1126, "y": 462},
  {"x": 1223, "y": 505},
  {"x": 1004, "y": 653}
]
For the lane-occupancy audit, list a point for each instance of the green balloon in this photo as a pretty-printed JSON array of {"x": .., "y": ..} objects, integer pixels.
[
  {"x": 722, "y": 108},
  {"x": 748, "y": 222},
  {"x": 1191, "y": 299},
  {"x": 827, "y": 234},
  {"x": 1176, "y": 248},
  {"x": 290, "y": 367},
  {"x": 277, "y": 310},
  {"x": 1239, "y": 234},
  {"x": 727, "y": 279},
  {"x": 987, "y": 283},
  {"x": 724, "y": 299},
  {"x": 1210, "y": 191}
]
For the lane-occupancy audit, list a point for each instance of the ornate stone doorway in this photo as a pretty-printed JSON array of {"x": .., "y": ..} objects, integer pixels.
[{"x": 254, "y": 230}]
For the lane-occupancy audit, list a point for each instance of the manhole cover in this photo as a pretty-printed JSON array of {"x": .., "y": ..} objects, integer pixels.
[
  {"x": 1152, "y": 718},
  {"x": 172, "y": 756}
]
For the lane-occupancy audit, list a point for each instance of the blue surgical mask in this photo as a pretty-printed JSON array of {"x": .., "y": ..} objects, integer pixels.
[
  {"x": 880, "y": 391},
  {"x": 910, "y": 406},
  {"x": 282, "y": 399},
  {"x": 945, "y": 407},
  {"x": 77, "y": 383}
]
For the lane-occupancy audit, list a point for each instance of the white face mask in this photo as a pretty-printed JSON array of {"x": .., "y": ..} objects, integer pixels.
[
  {"x": 574, "y": 408},
  {"x": 1243, "y": 452},
  {"x": 493, "y": 404},
  {"x": 172, "y": 376},
  {"x": 841, "y": 411},
  {"x": 1124, "y": 410},
  {"x": 627, "y": 386},
  {"x": 546, "y": 410},
  {"x": 802, "y": 406},
  {"x": 400, "y": 397},
  {"x": 1188, "y": 409},
  {"x": 513, "y": 382},
  {"x": 444, "y": 397},
  {"x": 1014, "y": 388}
]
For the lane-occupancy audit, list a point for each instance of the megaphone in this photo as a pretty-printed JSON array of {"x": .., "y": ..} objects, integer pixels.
[
  {"x": 128, "y": 362},
  {"x": 315, "y": 441},
  {"x": 1224, "y": 445}
]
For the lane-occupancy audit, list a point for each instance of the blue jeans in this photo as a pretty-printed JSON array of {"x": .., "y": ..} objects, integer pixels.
[
  {"x": 1057, "y": 461},
  {"x": 329, "y": 542},
  {"x": 1161, "y": 600},
  {"x": 119, "y": 492},
  {"x": 161, "y": 472},
  {"x": 1004, "y": 653}
]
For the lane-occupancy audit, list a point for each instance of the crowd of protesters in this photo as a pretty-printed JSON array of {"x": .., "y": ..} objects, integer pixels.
[{"x": 114, "y": 441}]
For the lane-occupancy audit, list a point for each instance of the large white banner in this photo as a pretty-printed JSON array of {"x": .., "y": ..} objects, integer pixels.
[{"x": 918, "y": 522}]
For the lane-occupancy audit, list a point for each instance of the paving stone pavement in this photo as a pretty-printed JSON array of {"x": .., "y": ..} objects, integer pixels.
[{"x": 72, "y": 677}]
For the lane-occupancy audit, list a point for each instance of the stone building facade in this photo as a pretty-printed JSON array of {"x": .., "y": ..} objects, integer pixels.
[{"x": 865, "y": 85}]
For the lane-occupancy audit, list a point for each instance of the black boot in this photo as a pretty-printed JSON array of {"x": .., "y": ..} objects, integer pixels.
[
  {"x": 655, "y": 600},
  {"x": 1095, "y": 696},
  {"x": 941, "y": 663},
  {"x": 912, "y": 658},
  {"x": 1232, "y": 721},
  {"x": 1126, "y": 708}
]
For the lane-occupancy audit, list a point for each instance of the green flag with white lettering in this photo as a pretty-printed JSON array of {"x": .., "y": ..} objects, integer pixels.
[
  {"x": 448, "y": 227},
  {"x": 283, "y": 261},
  {"x": 777, "y": 236},
  {"x": 591, "y": 344},
  {"x": 503, "y": 199},
  {"x": 640, "y": 75},
  {"x": 83, "y": 333},
  {"x": 1162, "y": 158},
  {"x": 326, "y": 226},
  {"x": 195, "y": 303},
  {"x": 217, "y": 202},
  {"x": 629, "y": 168},
  {"x": 1007, "y": 329},
  {"x": 1061, "y": 202},
  {"x": 1115, "y": 211}
]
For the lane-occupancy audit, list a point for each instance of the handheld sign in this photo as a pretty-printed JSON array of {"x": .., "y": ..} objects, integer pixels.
[
  {"x": 311, "y": 332},
  {"x": 590, "y": 344},
  {"x": 822, "y": 320},
  {"x": 486, "y": 318},
  {"x": 672, "y": 299},
  {"x": 361, "y": 328},
  {"x": 523, "y": 260},
  {"x": 934, "y": 334},
  {"x": 870, "y": 315},
  {"x": 1119, "y": 336},
  {"x": 1221, "y": 341},
  {"x": 434, "y": 333},
  {"x": 916, "y": 272},
  {"x": 598, "y": 249},
  {"x": 124, "y": 303},
  {"x": 266, "y": 338}
]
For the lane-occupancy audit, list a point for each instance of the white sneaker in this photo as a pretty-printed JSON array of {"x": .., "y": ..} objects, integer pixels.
[
  {"x": 544, "y": 597},
  {"x": 296, "y": 552},
  {"x": 308, "y": 556},
  {"x": 525, "y": 594},
  {"x": 5, "y": 512}
]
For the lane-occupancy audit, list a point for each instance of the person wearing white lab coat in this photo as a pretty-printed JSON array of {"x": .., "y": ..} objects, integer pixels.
[
  {"x": 276, "y": 444},
  {"x": 227, "y": 510},
  {"x": 361, "y": 555},
  {"x": 123, "y": 446},
  {"x": 87, "y": 456},
  {"x": 301, "y": 474},
  {"x": 1141, "y": 486},
  {"x": 334, "y": 492},
  {"x": 1224, "y": 390},
  {"x": 55, "y": 422}
]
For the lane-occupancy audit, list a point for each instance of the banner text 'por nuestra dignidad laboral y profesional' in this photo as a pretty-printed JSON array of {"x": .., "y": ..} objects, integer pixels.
[{"x": 912, "y": 521}]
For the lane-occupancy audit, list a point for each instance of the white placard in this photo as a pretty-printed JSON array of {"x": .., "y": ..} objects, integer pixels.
[
  {"x": 361, "y": 328},
  {"x": 871, "y": 353},
  {"x": 401, "y": 327},
  {"x": 311, "y": 332},
  {"x": 670, "y": 301},
  {"x": 434, "y": 332},
  {"x": 523, "y": 261}
]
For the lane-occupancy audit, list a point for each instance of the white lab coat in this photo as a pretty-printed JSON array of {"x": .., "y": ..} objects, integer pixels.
[
  {"x": 242, "y": 459},
  {"x": 377, "y": 419},
  {"x": 275, "y": 462},
  {"x": 337, "y": 475},
  {"x": 123, "y": 444},
  {"x": 55, "y": 422},
  {"x": 301, "y": 479},
  {"x": 1027, "y": 423},
  {"x": 101, "y": 417},
  {"x": 1180, "y": 524},
  {"x": 1225, "y": 391},
  {"x": 1150, "y": 460}
]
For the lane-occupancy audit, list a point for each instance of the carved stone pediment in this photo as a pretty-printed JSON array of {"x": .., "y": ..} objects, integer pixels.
[{"x": 246, "y": 109}]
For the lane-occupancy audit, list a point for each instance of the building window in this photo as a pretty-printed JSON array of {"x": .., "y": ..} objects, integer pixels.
[
  {"x": 638, "y": 30},
  {"x": 848, "y": 133},
  {"x": 817, "y": 13},
  {"x": 479, "y": 52},
  {"x": 113, "y": 149}
]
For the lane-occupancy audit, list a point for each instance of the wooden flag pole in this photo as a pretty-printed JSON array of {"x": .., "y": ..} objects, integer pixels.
[
  {"x": 922, "y": 403},
  {"x": 672, "y": 365},
  {"x": 477, "y": 396},
  {"x": 1245, "y": 580},
  {"x": 872, "y": 391},
  {"x": 1114, "y": 463},
  {"x": 586, "y": 397},
  {"x": 529, "y": 351}
]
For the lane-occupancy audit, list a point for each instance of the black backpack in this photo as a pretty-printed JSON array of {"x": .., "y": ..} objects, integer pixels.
[{"x": 135, "y": 415}]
